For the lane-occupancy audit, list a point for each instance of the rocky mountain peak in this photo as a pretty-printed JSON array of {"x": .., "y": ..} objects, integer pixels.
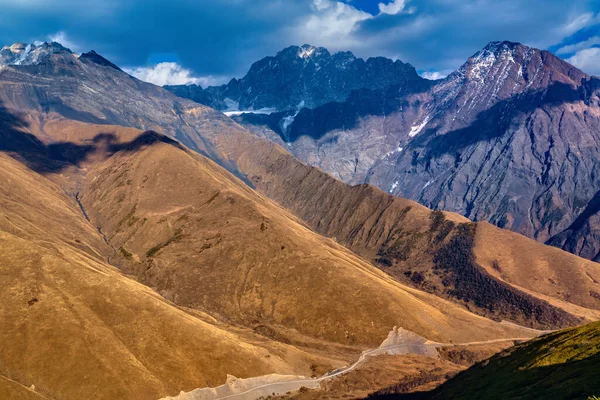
[
  {"x": 30, "y": 54},
  {"x": 505, "y": 70},
  {"x": 499, "y": 47},
  {"x": 17, "y": 47},
  {"x": 525, "y": 66},
  {"x": 494, "y": 57},
  {"x": 344, "y": 59},
  {"x": 306, "y": 52},
  {"x": 302, "y": 77}
]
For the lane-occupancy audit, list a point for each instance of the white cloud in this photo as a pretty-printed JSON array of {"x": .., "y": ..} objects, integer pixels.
[
  {"x": 579, "y": 22},
  {"x": 433, "y": 75},
  {"x": 171, "y": 73},
  {"x": 393, "y": 8},
  {"x": 572, "y": 48},
  {"x": 331, "y": 24},
  {"x": 587, "y": 60},
  {"x": 61, "y": 37}
]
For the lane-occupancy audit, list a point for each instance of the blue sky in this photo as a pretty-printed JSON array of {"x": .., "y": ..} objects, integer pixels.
[{"x": 208, "y": 42}]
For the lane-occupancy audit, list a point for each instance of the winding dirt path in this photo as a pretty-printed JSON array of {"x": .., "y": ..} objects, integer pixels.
[{"x": 254, "y": 388}]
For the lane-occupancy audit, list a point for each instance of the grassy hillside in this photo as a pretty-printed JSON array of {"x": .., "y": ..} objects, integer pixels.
[
  {"x": 561, "y": 365},
  {"x": 74, "y": 326}
]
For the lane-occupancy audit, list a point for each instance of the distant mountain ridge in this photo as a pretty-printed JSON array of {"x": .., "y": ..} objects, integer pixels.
[
  {"x": 301, "y": 76},
  {"x": 88, "y": 88}
]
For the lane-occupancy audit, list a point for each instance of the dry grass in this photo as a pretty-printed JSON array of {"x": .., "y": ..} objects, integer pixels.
[
  {"x": 75, "y": 327},
  {"x": 377, "y": 226},
  {"x": 559, "y": 276}
]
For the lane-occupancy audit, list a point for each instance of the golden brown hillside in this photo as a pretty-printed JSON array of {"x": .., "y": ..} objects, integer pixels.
[
  {"x": 133, "y": 267},
  {"x": 10, "y": 389},
  {"x": 75, "y": 327},
  {"x": 504, "y": 275},
  {"x": 203, "y": 239},
  {"x": 367, "y": 232}
]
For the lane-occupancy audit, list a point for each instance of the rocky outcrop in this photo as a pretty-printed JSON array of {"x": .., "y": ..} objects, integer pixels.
[{"x": 583, "y": 235}]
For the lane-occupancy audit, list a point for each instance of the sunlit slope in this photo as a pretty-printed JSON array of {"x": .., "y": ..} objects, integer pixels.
[
  {"x": 509, "y": 275},
  {"x": 202, "y": 238},
  {"x": 75, "y": 327}
]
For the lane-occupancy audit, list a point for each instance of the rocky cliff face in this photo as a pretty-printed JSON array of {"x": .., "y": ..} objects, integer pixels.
[
  {"x": 89, "y": 88},
  {"x": 299, "y": 77},
  {"x": 511, "y": 137},
  {"x": 582, "y": 237}
]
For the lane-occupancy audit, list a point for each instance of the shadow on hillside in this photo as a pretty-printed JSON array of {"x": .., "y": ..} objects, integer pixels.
[
  {"x": 570, "y": 380},
  {"x": 54, "y": 157},
  {"x": 317, "y": 122},
  {"x": 488, "y": 124},
  {"x": 569, "y": 238},
  {"x": 496, "y": 120},
  {"x": 592, "y": 208}
]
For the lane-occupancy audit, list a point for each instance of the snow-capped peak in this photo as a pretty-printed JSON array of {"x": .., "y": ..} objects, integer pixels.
[
  {"x": 306, "y": 51},
  {"x": 478, "y": 66}
]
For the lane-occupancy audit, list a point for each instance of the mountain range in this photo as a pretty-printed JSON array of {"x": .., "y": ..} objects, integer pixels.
[
  {"x": 511, "y": 137},
  {"x": 299, "y": 77},
  {"x": 152, "y": 245}
]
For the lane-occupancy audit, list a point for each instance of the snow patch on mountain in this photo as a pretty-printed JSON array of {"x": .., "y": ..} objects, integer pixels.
[
  {"x": 481, "y": 65},
  {"x": 231, "y": 105},
  {"x": 396, "y": 151},
  {"x": 287, "y": 121},
  {"x": 416, "y": 129},
  {"x": 30, "y": 54},
  {"x": 23, "y": 55},
  {"x": 428, "y": 183},
  {"x": 259, "y": 111}
]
